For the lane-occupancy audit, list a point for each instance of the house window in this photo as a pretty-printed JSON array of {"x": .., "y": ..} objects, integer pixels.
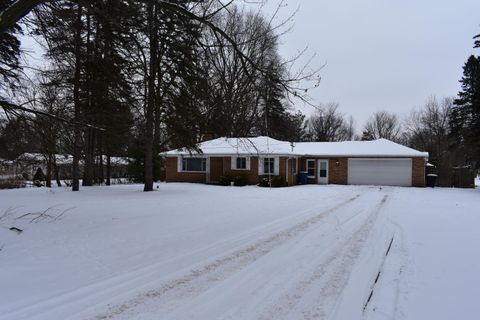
[
  {"x": 294, "y": 166},
  {"x": 311, "y": 168},
  {"x": 269, "y": 166},
  {"x": 241, "y": 163},
  {"x": 194, "y": 164}
]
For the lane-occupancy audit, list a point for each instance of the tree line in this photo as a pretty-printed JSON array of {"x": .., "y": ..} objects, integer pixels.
[{"x": 135, "y": 78}]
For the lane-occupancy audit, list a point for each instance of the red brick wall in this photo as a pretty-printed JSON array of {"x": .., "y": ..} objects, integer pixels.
[
  {"x": 418, "y": 172},
  {"x": 172, "y": 175},
  {"x": 337, "y": 174},
  {"x": 338, "y": 170},
  {"x": 252, "y": 174}
]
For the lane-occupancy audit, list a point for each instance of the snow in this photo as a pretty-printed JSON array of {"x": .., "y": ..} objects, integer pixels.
[
  {"x": 266, "y": 145},
  {"x": 374, "y": 148},
  {"x": 249, "y": 146},
  {"x": 190, "y": 251}
]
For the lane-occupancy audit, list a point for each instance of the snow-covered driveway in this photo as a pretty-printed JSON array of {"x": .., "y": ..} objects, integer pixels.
[{"x": 204, "y": 252}]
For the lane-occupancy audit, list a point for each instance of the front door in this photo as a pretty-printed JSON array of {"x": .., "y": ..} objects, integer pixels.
[{"x": 322, "y": 171}]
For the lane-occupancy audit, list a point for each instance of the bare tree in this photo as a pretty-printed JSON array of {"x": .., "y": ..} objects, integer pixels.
[
  {"x": 382, "y": 125},
  {"x": 328, "y": 124},
  {"x": 428, "y": 129}
]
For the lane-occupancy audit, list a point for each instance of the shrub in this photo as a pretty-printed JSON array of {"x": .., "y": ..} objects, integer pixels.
[
  {"x": 38, "y": 178},
  {"x": 12, "y": 183},
  {"x": 279, "y": 181},
  {"x": 264, "y": 181},
  {"x": 276, "y": 181},
  {"x": 240, "y": 181},
  {"x": 225, "y": 180}
]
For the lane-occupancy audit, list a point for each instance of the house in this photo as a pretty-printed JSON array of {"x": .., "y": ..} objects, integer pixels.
[{"x": 377, "y": 162}]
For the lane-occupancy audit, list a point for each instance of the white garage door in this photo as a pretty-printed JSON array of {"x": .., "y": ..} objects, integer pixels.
[{"x": 385, "y": 172}]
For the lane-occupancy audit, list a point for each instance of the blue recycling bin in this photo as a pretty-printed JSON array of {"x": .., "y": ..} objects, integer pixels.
[{"x": 303, "y": 177}]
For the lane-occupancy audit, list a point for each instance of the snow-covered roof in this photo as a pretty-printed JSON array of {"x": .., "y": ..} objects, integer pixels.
[
  {"x": 266, "y": 145},
  {"x": 251, "y": 146},
  {"x": 373, "y": 148}
]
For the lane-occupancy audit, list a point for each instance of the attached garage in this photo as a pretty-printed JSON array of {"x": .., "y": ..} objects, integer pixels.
[{"x": 378, "y": 171}]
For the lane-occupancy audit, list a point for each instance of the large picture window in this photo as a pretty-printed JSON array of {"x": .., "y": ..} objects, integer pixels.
[
  {"x": 311, "y": 168},
  {"x": 269, "y": 166},
  {"x": 194, "y": 164}
]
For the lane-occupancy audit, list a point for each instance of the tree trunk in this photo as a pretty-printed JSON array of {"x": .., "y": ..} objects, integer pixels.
[
  {"x": 48, "y": 179},
  {"x": 55, "y": 169},
  {"x": 76, "y": 99},
  {"x": 88, "y": 164},
  {"x": 150, "y": 107},
  {"x": 100, "y": 164},
  {"x": 109, "y": 168}
]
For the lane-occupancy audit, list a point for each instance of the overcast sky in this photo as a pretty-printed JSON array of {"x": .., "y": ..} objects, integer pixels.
[
  {"x": 379, "y": 54},
  {"x": 383, "y": 55}
]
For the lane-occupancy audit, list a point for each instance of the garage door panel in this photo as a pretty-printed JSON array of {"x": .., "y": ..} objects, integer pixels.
[{"x": 394, "y": 172}]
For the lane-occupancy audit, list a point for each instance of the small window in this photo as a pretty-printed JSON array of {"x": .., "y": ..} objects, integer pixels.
[
  {"x": 311, "y": 168},
  {"x": 294, "y": 166},
  {"x": 241, "y": 163},
  {"x": 269, "y": 166},
  {"x": 194, "y": 164}
]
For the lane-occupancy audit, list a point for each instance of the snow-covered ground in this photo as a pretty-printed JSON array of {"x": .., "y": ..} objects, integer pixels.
[{"x": 192, "y": 251}]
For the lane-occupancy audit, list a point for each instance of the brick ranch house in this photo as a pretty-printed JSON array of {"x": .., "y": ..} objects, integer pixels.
[{"x": 377, "y": 162}]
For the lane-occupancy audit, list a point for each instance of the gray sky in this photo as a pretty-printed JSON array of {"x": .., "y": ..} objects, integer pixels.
[
  {"x": 379, "y": 54},
  {"x": 383, "y": 55}
]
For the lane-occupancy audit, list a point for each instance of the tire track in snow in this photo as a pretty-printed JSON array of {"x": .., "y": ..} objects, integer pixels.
[
  {"x": 331, "y": 276},
  {"x": 101, "y": 290},
  {"x": 170, "y": 294}
]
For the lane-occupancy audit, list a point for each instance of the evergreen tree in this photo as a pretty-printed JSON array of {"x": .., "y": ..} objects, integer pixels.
[
  {"x": 465, "y": 117},
  {"x": 9, "y": 53}
]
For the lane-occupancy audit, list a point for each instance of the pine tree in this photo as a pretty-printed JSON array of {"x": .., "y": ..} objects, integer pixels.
[
  {"x": 9, "y": 53},
  {"x": 465, "y": 119}
]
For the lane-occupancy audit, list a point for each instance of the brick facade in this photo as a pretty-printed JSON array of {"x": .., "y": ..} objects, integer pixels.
[
  {"x": 252, "y": 174},
  {"x": 172, "y": 174},
  {"x": 337, "y": 170},
  {"x": 418, "y": 172}
]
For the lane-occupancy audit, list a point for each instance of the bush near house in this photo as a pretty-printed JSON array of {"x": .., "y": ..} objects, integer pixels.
[
  {"x": 225, "y": 180},
  {"x": 12, "y": 182},
  {"x": 240, "y": 180},
  {"x": 276, "y": 181}
]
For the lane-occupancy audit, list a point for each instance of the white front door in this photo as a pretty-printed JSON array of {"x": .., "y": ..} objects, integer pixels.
[{"x": 322, "y": 171}]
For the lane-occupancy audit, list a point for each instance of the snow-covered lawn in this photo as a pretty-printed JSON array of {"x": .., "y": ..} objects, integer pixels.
[{"x": 192, "y": 251}]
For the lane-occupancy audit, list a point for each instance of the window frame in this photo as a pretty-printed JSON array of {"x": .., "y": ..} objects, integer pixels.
[
  {"x": 271, "y": 165},
  {"x": 203, "y": 164},
  {"x": 236, "y": 163},
  {"x": 314, "y": 168},
  {"x": 294, "y": 166},
  {"x": 320, "y": 168}
]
